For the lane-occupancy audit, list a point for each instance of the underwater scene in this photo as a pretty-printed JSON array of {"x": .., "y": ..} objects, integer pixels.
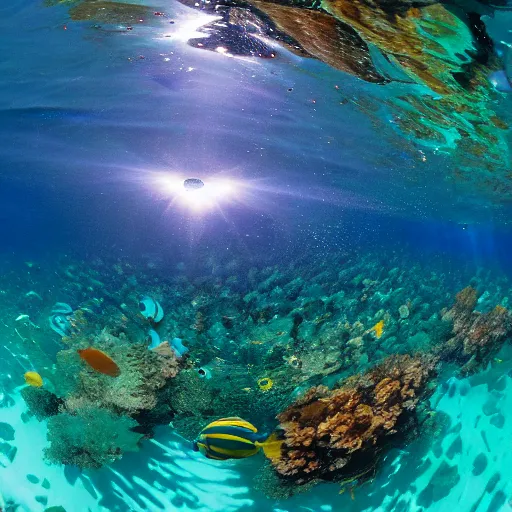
[{"x": 256, "y": 255}]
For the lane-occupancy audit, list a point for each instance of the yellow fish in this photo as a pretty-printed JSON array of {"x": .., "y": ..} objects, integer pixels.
[
  {"x": 235, "y": 438},
  {"x": 33, "y": 379},
  {"x": 378, "y": 328}
]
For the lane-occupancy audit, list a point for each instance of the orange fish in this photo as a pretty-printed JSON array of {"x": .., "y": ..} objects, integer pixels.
[{"x": 99, "y": 361}]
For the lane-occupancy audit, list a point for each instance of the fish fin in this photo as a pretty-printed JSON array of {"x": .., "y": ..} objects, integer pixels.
[
  {"x": 231, "y": 418},
  {"x": 272, "y": 446}
]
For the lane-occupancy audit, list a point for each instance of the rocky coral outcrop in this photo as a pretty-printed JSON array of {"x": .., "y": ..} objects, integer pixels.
[
  {"x": 334, "y": 434},
  {"x": 143, "y": 374},
  {"x": 476, "y": 336}
]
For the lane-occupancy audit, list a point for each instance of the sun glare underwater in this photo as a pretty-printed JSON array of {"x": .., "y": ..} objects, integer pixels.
[
  {"x": 255, "y": 256},
  {"x": 199, "y": 196}
]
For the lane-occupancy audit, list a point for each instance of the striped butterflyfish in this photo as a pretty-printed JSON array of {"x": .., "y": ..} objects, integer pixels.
[{"x": 235, "y": 438}]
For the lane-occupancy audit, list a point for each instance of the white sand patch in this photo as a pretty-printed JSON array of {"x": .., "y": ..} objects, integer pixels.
[{"x": 473, "y": 470}]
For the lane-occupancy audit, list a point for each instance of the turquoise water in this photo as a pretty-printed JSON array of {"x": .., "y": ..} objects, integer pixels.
[{"x": 339, "y": 277}]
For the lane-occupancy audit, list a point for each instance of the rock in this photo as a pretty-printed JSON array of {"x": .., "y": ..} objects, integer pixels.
[
  {"x": 403, "y": 311},
  {"x": 355, "y": 342}
]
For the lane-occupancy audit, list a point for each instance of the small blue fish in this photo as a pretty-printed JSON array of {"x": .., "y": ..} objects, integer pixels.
[
  {"x": 178, "y": 347},
  {"x": 155, "y": 339},
  {"x": 59, "y": 318},
  {"x": 235, "y": 438}
]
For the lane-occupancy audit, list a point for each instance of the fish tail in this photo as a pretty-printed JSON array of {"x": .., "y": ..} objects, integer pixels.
[{"x": 271, "y": 446}]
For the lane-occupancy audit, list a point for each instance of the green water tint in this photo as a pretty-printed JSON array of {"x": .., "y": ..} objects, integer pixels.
[{"x": 316, "y": 338}]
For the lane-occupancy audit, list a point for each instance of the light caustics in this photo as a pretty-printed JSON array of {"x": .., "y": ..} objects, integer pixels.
[{"x": 190, "y": 26}]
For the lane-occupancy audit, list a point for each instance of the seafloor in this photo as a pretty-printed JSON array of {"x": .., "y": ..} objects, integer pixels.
[{"x": 457, "y": 456}]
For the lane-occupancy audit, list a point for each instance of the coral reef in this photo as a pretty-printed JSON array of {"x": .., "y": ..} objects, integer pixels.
[
  {"x": 476, "y": 336},
  {"x": 90, "y": 438},
  {"x": 75, "y": 396},
  {"x": 41, "y": 402},
  {"x": 109, "y": 12},
  {"x": 143, "y": 374},
  {"x": 334, "y": 434},
  {"x": 263, "y": 337},
  {"x": 138, "y": 392}
]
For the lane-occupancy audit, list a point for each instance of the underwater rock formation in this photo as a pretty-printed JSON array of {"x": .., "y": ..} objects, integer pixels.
[
  {"x": 104, "y": 11},
  {"x": 336, "y": 434},
  {"x": 441, "y": 53},
  {"x": 476, "y": 336},
  {"x": 143, "y": 373},
  {"x": 77, "y": 396}
]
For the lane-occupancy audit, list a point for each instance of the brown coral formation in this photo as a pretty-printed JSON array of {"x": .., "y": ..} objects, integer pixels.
[
  {"x": 476, "y": 336},
  {"x": 332, "y": 435},
  {"x": 110, "y": 12},
  {"x": 323, "y": 37},
  {"x": 437, "y": 49}
]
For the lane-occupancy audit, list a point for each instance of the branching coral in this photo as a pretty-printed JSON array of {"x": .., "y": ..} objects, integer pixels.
[
  {"x": 330, "y": 435},
  {"x": 90, "y": 438},
  {"x": 476, "y": 336}
]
